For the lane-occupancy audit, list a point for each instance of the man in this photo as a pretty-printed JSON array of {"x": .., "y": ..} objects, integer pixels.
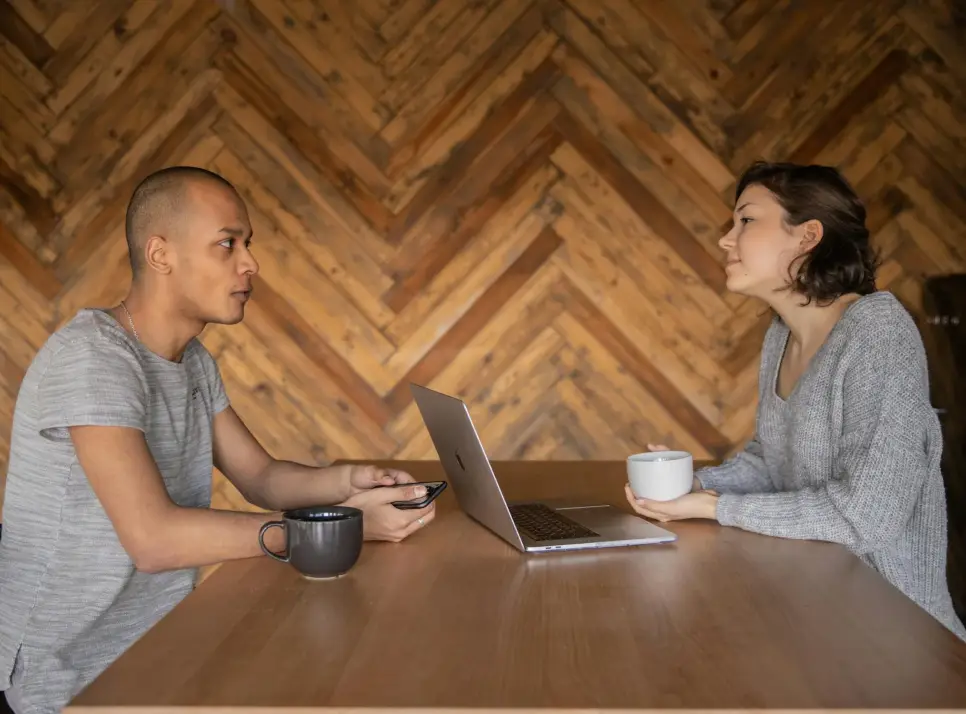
[{"x": 117, "y": 425}]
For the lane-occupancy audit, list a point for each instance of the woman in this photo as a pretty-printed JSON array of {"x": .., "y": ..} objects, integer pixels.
[{"x": 847, "y": 446}]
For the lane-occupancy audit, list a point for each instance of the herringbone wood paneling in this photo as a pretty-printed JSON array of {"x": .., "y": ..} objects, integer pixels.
[{"x": 517, "y": 201}]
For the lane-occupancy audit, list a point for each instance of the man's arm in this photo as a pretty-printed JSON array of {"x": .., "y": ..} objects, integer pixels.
[
  {"x": 267, "y": 482},
  {"x": 281, "y": 485},
  {"x": 158, "y": 534}
]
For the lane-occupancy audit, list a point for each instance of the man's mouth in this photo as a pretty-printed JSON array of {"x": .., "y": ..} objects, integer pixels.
[{"x": 243, "y": 294}]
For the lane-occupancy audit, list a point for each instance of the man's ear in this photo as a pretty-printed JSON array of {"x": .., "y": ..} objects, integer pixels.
[
  {"x": 157, "y": 255},
  {"x": 812, "y": 232}
]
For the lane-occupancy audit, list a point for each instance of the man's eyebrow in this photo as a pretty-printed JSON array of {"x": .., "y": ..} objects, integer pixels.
[{"x": 232, "y": 231}]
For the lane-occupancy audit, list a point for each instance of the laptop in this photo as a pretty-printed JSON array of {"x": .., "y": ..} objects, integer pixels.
[{"x": 532, "y": 526}]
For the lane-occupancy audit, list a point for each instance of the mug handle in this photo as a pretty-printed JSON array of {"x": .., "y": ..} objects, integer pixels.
[{"x": 261, "y": 540}]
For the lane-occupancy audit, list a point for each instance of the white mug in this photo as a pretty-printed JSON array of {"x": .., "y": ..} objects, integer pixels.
[{"x": 660, "y": 475}]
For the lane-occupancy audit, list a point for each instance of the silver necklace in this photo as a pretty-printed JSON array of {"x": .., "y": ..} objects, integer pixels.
[{"x": 131, "y": 321}]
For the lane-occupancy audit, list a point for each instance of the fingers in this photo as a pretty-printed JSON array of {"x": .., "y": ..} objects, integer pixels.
[
  {"x": 395, "y": 492},
  {"x": 421, "y": 519},
  {"x": 657, "y": 447},
  {"x": 397, "y": 476},
  {"x": 643, "y": 507}
]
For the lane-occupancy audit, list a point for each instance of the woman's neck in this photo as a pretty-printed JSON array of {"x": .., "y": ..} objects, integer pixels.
[{"x": 810, "y": 324}]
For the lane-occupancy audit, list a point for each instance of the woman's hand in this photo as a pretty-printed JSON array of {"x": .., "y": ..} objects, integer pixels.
[{"x": 697, "y": 504}]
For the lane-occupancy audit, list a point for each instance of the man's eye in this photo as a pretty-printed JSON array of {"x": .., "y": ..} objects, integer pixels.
[{"x": 229, "y": 241}]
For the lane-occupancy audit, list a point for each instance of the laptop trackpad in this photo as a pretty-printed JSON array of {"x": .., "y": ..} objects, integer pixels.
[{"x": 610, "y": 522}]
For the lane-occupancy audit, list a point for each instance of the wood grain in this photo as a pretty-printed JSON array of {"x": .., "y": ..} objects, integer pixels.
[
  {"x": 454, "y": 618},
  {"x": 484, "y": 196}
]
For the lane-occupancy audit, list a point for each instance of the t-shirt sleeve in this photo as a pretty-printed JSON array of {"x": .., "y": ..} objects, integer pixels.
[
  {"x": 216, "y": 387},
  {"x": 91, "y": 382}
]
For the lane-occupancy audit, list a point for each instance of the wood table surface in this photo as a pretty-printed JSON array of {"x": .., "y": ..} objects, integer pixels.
[{"x": 455, "y": 618}]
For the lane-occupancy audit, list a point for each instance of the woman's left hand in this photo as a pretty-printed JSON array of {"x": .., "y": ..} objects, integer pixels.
[{"x": 697, "y": 504}]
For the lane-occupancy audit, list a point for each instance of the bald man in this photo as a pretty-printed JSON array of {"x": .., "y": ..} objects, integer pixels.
[{"x": 119, "y": 420}]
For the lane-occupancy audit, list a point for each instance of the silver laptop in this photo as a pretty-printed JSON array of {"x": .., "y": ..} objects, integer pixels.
[{"x": 532, "y": 526}]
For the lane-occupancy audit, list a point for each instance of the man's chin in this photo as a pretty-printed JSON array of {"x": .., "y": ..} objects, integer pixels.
[{"x": 230, "y": 317}]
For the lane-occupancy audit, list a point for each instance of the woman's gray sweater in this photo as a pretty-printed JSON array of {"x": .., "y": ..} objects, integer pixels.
[{"x": 853, "y": 455}]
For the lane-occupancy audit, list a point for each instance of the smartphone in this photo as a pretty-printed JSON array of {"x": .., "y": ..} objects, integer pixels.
[{"x": 433, "y": 489}]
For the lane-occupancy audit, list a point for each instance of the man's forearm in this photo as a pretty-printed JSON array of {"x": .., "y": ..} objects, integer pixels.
[
  {"x": 286, "y": 484},
  {"x": 195, "y": 537}
]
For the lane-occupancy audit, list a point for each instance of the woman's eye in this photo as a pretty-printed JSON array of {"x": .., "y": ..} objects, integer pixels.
[{"x": 745, "y": 219}]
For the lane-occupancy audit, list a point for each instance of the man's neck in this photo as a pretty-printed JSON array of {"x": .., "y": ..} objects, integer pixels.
[{"x": 159, "y": 325}]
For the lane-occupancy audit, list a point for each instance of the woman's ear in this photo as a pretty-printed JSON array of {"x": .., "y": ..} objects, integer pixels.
[{"x": 812, "y": 232}]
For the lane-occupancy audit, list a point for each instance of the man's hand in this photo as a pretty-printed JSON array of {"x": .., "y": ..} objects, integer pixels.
[
  {"x": 383, "y": 521},
  {"x": 362, "y": 477},
  {"x": 697, "y": 504}
]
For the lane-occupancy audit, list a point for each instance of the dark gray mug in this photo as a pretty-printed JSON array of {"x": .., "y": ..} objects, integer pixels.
[{"x": 321, "y": 542}]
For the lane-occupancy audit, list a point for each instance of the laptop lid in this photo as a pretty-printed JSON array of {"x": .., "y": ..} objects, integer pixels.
[{"x": 465, "y": 462}]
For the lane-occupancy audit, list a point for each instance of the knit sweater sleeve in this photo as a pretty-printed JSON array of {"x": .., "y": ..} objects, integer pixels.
[
  {"x": 888, "y": 437},
  {"x": 745, "y": 472}
]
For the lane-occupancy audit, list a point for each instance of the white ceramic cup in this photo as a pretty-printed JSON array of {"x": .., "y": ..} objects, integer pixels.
[{"x": 660, "y": 475}]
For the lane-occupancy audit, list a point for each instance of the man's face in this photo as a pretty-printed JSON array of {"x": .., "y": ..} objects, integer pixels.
[{"x": 214, "y": 266}]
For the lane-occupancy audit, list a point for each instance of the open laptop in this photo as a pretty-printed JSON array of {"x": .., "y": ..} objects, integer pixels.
[{"x": 529, "y": 526}]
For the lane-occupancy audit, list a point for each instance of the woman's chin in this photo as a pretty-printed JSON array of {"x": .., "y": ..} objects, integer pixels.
[{"x": 737, "y": 283}]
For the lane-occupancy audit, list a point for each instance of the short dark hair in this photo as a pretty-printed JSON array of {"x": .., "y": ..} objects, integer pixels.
[
  {"x": 844, "y": 260},
  {"x": 158, "y": 197}
]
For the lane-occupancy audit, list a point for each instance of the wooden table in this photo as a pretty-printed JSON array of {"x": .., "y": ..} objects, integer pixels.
[{"x": 455, "y": 618}]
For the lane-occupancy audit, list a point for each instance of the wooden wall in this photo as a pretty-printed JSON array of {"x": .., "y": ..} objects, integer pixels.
[{"x": 513, "y": 200}]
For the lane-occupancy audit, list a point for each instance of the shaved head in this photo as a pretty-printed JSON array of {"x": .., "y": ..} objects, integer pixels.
[{"x": 160, "y": 204}]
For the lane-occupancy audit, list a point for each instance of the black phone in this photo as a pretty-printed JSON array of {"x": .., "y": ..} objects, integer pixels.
[{"x": 433, "y": 489}]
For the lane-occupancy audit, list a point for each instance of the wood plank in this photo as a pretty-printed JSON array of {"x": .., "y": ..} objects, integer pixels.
[
  {"x": 471, "y": 373},
  {"x": 29, "y": 40},
  {"x": 116, "y": 57},
  {"x": 444, "y": 141},
  {"x": 530, "y": 135},
  {"x": 654, "y": 214},
  {"x": 415, "y": 339},
  {"x": 358, "y": 181},
  {"x": 478, "y": 315},
  {"x": 490, "y": 67},
  {"x": 600, "y": 282},
  {"x": 497, "y": 123},
  {"x": 273, "y": 315},
  {"x": 299, "y": 30},
  {"x": 658, "y": 273},
  {"x": 359, "y": 291},
  {"x": 20, "y": 66},
  {"x": 91, "y": 216},
  {"x": 745, "y": 14},
  {"x": 441, "y": 29},
  {"x": 450, "y": 260},
  {"x": 298, "y": 85},
  {"x": 411, "y": 117},
  {"x": 319, "y": 204},
  {"x": 885, "y": 74},
  {"x": 76, "y": 32},
  {"x": 40, "y": 276}
]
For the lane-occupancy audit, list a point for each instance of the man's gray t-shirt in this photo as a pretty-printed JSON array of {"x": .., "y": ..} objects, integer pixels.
[{"x": 71, "y": 600}]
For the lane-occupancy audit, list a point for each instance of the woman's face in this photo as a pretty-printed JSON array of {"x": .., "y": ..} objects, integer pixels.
[{"x": 760, "y": 248}]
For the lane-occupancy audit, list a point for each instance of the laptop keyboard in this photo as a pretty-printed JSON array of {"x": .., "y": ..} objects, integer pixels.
[{"x": 541, "y": 523}]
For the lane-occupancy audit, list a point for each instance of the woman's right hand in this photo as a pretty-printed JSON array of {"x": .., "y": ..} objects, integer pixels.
[{"x": 695, "y": 484}]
